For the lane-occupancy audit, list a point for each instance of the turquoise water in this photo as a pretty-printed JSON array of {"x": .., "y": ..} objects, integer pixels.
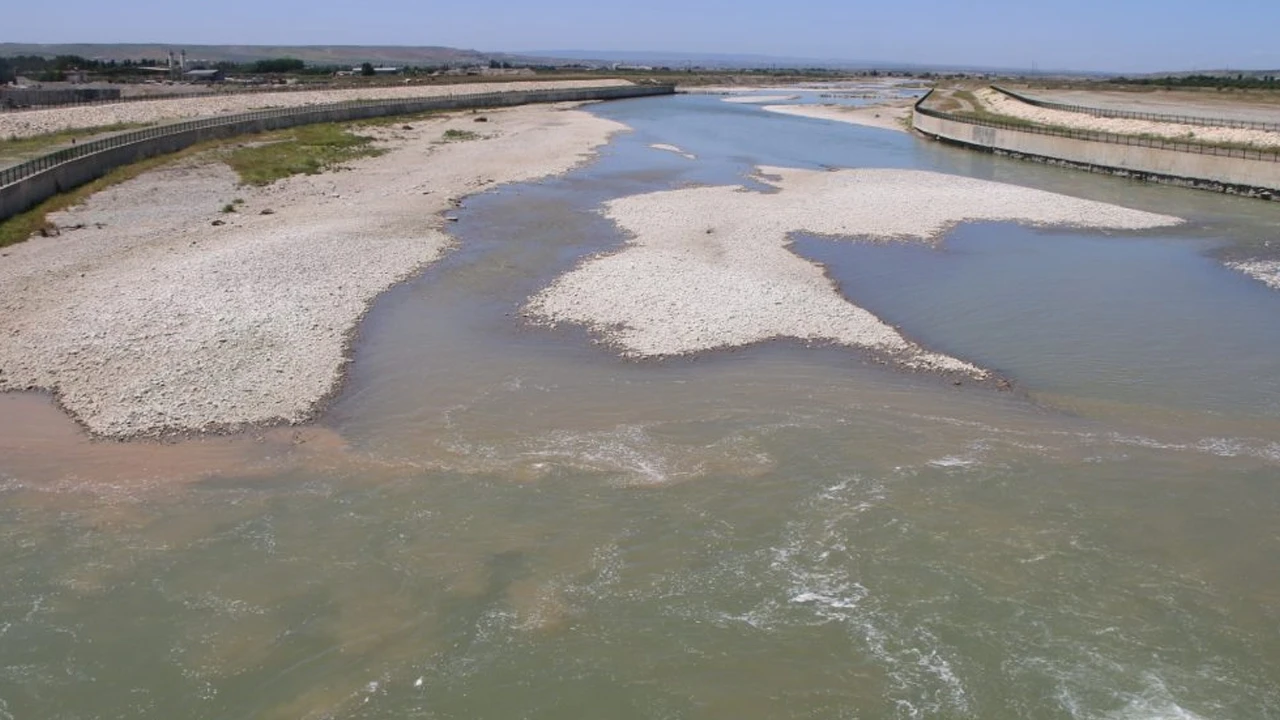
[{"x": 497, "y": 520}]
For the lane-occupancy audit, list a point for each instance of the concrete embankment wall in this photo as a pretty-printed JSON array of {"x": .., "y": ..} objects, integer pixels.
[
  {"x": 38, "y": 180},
  {"x": 1237, "y": 175}
]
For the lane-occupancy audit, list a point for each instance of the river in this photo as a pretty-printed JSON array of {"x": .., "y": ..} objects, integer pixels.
[{"x": 495, "y": 520}]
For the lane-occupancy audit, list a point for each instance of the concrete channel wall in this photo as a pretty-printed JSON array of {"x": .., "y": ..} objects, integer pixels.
[
  {"x": 1250, "y": 173},
  {"x": 28, "y": 184}
]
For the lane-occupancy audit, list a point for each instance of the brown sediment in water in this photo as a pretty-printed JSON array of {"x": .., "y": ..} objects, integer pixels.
[{"x": 49, "y": 451}]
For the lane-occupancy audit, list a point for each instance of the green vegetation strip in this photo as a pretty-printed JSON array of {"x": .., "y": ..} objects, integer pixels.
[
  {"x": 459, "y": 136},
  {"x": 304, "y": 150}
]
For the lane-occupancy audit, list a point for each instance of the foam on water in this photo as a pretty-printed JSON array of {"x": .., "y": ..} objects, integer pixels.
[
  {"x": 818, "y": 563},
  {"x": 635, "y": 454},
  {"x": 1153, "y": 701}
]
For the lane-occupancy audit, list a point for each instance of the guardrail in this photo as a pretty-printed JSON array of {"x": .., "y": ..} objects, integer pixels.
[
  {"x": 1104, "y": 137},
  {"x": 1134, "y": 115},
  {"x": 27, "y": 171}
]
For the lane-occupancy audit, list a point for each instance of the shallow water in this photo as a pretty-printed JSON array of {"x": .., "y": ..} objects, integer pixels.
[
  {"x": 498, "y": 520},
  {"x": 1144, "y": 320}
]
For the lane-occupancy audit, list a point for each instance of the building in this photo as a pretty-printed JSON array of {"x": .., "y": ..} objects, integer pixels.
[
  {"x": 210, "y": 75},
  {"x": 377, "y": 70}
]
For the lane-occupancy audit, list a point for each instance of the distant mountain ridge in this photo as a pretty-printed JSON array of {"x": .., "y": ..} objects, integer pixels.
[{"x": 436, "y": 55}]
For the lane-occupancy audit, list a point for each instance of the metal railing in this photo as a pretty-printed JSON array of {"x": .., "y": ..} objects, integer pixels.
[
  {"x": 1134, "y": 115},
  {"x": 1146, "y": 141},
  {"x": 35, "y": 166}
]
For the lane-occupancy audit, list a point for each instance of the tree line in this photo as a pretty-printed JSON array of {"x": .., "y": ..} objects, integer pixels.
[
  {"x": 1240, "y": 80},
  {"x": 55, "y": 69}
]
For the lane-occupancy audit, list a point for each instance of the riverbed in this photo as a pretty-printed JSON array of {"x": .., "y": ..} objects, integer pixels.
[{"x": 494, "y": 518}]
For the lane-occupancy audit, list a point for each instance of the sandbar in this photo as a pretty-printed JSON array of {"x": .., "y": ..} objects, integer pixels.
[
  {"x": 673, "y": 149},
  {"x": 711, "y": 267},
  {"x": 758, "y": 99},
  {"x": 886, "y": 116}
]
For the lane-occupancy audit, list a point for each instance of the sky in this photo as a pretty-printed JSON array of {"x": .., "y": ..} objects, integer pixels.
[{"x": 1091, "y": 35}]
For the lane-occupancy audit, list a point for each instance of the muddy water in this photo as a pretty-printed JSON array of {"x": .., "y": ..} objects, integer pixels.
[{"x": 497, "y": 520}]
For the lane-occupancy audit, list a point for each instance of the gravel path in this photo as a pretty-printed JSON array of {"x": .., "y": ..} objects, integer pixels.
[
  {"x": 151, "y": 319},
  {"x": 39, "y": 122},
  {"x": 1004, "y": 105},
  {"x": 710, "y": 268}
]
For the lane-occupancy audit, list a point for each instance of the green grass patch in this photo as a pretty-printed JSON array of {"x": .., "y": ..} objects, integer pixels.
[
  {"x": 459, "y": 136},
  {"x": 24, "y": 148},
  {"x": 945, "y": 104},
  {"x": 967, "y": 96},
  {"x": 304, "y": 150},
  {"x": 387, "y": 120}
]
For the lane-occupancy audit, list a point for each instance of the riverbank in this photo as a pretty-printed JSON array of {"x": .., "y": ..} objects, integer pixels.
[
  {"x": 158, "y": 310},
  {"x": 998, "y": 103}
]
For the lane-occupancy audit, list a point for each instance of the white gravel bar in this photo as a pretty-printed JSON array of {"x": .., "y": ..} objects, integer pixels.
[
  {"x": 758, "y": 99},
  {"x": 674, "y": 149},
  {"x": 1266, "y": 272},
  {"x": 1002, "y": 104},
  {"x": 710, "y": 267},
  {"x": 886, "y": 116},
  {"x": 38, "y": 122},
  {"x": 151, "y": 319}
]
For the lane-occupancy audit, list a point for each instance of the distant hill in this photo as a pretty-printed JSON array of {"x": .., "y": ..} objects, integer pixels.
[
  {"x": 311, "y": 54},
  {"x": 710, "y": 60},
  {"x": 351, "y": 55},
  {"x": 731, "y": 61}
]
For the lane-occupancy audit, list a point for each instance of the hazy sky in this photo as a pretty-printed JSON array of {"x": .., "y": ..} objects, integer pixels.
[{"x": 1120, "y": 35}]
